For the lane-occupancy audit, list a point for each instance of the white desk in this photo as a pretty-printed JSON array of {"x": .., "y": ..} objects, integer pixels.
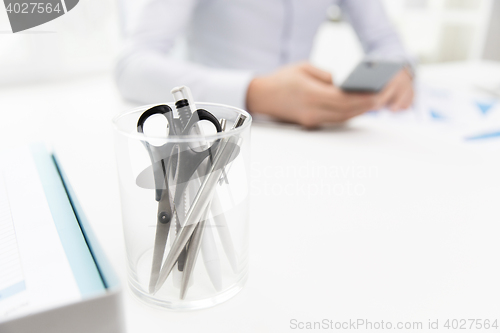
[{"x": 417, "y": 238}]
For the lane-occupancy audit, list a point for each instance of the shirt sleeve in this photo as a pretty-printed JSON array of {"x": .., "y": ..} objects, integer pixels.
[
  {"x": 146, "y": 71},
  {"x": 375, "y": 32}
]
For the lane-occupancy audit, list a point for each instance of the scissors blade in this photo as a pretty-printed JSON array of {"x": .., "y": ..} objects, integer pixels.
[
  {"x": 162, "y": 230},
  {"x": 163, "y": 222},
  {"x": 192, "y": 254}
]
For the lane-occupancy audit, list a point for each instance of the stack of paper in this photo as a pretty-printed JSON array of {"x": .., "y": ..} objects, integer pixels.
[{"x": 471, "y": 116}]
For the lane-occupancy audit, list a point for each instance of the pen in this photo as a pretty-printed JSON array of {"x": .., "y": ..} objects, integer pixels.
[
  {"x": 211, "y": 258},
  {"x": 208, "y": 246},
  {"x": 224, "y": 234},
  {"x": 220, "y": 219},
  {"x": 183, "y": 98},
  {"x": 209, "y": 250},
  {"x": 194, "y": 248}
]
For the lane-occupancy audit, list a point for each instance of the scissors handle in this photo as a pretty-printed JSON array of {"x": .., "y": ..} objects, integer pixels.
[
  {"x": 201, "y": 114},
  {"x": 163, "y": 156},
  {"x": 158, "y": 109},
  {"x": 157, "y": 167}
]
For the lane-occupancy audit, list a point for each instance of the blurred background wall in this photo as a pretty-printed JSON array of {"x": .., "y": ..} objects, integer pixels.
[
  {"x": 492, "y": 46},
  {"x": 433, "y": 31},
  {"x": 87, "y": 39},
  {"x": 444, "y": 30}
]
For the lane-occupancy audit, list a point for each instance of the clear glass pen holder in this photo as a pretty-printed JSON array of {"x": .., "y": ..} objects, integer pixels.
[{"x": 184, "y": 200}]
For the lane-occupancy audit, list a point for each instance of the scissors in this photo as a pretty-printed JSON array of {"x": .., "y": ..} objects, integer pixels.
[{"x": 166, "y": 161}]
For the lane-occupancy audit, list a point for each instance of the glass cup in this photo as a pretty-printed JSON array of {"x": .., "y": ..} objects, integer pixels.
[{"x": 184, "y": 200}]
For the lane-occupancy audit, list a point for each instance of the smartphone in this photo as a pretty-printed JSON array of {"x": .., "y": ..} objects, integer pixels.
[{"x": 371, "y": 76}]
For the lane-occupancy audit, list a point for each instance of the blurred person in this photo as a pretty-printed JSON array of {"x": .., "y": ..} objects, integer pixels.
[{"x": 253, "y": 54}]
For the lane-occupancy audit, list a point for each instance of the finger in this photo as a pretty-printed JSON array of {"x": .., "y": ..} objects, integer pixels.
[
  {"x": 403, "y": 94},
  {"x": 317, "y": 73},
  {"x": 329, "y": 116},
  {"x": 386, "y": 96},
  {"x": 403, "y": 101},
  {"x": 410, "y": 100},
  {"x": 394, "y": 88},
  {"x": 347, "y": 102},
  {"x": 315, "y": 117}
]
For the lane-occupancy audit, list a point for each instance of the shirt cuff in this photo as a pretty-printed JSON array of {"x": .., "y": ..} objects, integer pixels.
[{"x": 227, "y": 87}]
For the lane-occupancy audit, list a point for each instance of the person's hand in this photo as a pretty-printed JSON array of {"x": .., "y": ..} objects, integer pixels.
[
  {"x": 305, "y": 95},
  {"x": 398, "y": 93}
]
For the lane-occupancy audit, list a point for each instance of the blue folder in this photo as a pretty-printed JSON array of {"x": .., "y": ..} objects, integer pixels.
[
  {"x": 91, "y": 269},
  {"x": 100, "y": 309}
]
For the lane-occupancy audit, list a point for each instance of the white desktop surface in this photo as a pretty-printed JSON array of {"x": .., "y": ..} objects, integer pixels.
[{"x": 418, "y": 239}]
